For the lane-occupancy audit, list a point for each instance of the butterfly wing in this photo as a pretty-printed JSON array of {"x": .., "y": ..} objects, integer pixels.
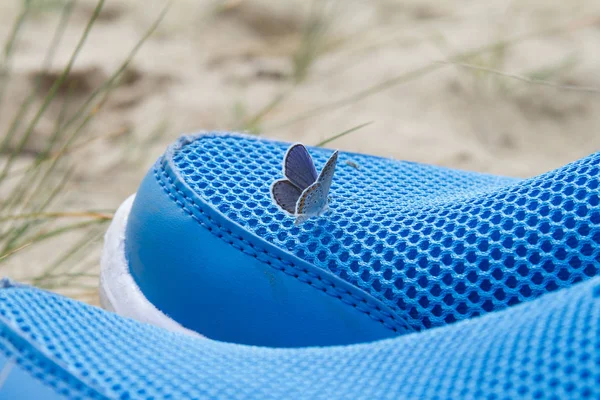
[
  {"x": 298, "y": 167},
  {"x": 326, "y": 175},
  {"x": 285, "y": 195},
  {"x": 312, "y": 202}
]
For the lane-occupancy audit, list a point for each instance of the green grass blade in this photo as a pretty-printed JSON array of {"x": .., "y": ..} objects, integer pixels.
[
  {"x": 111, "y": 81},
  {"x": 49, "y": 57},
  {"x": 53, "y": 89},
  {"x": 344, "y": 133},
  {"x": 9, "y": 47},
  {"x": 77, "y": 248},
  {"x": 45, "y": 235},
  {"x": 17, "y": 232},
  {"x": 587, "y": 89}
]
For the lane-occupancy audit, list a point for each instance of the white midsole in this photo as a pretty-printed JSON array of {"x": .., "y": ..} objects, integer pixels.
[{"x": 118, "y": 291}]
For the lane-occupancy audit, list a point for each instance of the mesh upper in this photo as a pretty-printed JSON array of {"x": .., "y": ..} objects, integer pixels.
[
  {"x": 436, "y": 245},
  {"x": 544, "y": 349}
]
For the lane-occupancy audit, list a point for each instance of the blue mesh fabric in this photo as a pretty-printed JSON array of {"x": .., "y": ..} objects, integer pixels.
[
  {"x": 434, "y": 244},
  {"x": 547, "y": 348}
]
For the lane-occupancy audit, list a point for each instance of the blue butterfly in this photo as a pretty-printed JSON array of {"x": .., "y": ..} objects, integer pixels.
[{"x": 303, "y": 194}]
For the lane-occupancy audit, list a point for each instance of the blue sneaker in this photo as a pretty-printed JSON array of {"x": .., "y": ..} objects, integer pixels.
[
  {"x": 52, "y": 347},
  {"x": 404, "y": 247}
]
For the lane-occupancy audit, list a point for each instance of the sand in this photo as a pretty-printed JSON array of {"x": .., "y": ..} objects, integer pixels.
[{"x": 210, "y": 64}]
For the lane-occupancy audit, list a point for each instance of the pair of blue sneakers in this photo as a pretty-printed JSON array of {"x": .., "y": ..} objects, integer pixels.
[{"x": 420, "y": 283}]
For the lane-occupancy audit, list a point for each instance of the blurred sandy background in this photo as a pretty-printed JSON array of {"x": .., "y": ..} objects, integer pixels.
[{"x": 325, "y": 67}]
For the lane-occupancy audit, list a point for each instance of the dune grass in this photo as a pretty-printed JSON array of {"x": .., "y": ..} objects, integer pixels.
[
  {"x": 31, "y": 184},
  {"x": 497, "y": 50},
  {"x": 485, "y": 63}
]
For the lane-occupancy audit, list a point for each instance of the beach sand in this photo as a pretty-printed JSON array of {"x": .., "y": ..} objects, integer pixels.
[{"x": 212, "y": 65}]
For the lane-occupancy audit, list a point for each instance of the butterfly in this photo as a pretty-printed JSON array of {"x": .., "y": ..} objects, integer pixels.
[{"x": 302, "y": 193}]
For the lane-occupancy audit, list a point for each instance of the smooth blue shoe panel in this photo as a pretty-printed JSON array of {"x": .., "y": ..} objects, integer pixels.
[
  {"x": 424, "y": 245},
  {"x": 548, "y": 348},
  {"x": 17, "y": 382}
]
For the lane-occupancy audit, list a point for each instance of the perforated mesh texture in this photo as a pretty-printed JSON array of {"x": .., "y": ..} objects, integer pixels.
[
  {"x": 547, "y": 349},
  {"x": 436, "y": 245}
]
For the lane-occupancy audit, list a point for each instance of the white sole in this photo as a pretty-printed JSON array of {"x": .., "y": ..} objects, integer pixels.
[{"x": 118, "y": 291}]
